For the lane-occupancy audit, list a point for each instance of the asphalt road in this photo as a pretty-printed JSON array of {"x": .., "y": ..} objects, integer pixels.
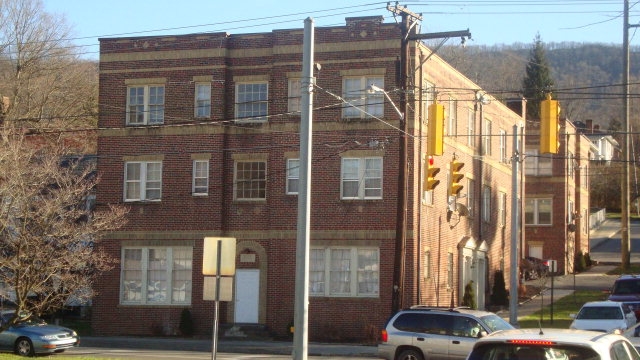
[{"x": 605, "y": 242}]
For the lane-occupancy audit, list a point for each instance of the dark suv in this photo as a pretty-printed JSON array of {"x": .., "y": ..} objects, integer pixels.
[
  {"x": 423, "y": 332},
  {"x": 626, "y": 289}
]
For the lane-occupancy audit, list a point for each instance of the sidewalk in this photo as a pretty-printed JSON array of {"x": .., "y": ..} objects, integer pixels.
[
  {"x": 228, "y": 346},
  {"x": 595, "y": 278}
]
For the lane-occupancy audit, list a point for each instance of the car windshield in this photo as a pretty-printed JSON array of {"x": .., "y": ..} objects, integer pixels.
[
  {"x": 503, "y": 351},
  {"x": 33, "y": 320},
  {"x": 600, "y": 313},
  {"x": 626, "y": 287},
  {"x": 495, "y": 323}
]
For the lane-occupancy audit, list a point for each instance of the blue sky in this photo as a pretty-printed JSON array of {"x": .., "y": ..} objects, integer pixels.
[{"x": 491, "y": 22}]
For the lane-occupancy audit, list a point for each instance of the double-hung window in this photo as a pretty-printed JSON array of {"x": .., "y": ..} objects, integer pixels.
[
  {"x": 471, "y": 128},
  {"x": 250, "y": 180},
  {"x": 361, "y": 178},
  {"x": 502, "y": 209},
  {"x": 486, "y": 138},
  {"x": 452, "y": 126},
  {"x": 156, "y": 275},
  {"x": 344, "y": 271},
  {"x": 203, "y": 100},
  {"x": 503, "y": 147},
  {"x": 142, "y": 180},
  {"x": 486, "y": 203},
  {"x": 537, "y": 164},
  {"x": 145, "y": 105},
  {"x": 252, "y": 101},
  {"x": 538, "y": 211},
  {"x": 361, "y": 102},
  {"x": 295, "y": 96},
  {"x": 200, "y": 185},
  {"x": 293, "y": 176}
]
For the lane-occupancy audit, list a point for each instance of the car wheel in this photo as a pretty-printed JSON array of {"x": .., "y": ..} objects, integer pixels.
[
  {"x": 24, "y": 347},
  {"x": 409, "y": 355}
]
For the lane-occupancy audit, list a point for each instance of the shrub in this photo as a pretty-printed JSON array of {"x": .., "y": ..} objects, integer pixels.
[
  {"x": 186, "y": 323},
  {"x": 499, "y": 295},
  {"x": 469, "y": 297},
  {"x": 580, "y": 263}
]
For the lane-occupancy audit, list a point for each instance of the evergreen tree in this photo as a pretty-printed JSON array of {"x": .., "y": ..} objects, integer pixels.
[{"x": 537, "y": 81}]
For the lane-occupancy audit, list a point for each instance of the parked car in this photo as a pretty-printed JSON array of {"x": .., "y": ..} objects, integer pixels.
[
  {"x": 424, "y": 332},
  {"x": 553, "y": 344},
  {"x": 604, "y": 316},
  {"x": 35, "y": 336},
  {"x": 633, "y": 335},
  {"x": 626, "y": 289}
]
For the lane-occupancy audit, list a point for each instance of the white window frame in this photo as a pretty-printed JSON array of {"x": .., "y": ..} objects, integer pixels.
[
  {"x": 174, "y": 287},
  {"x": 452, "y": 126},
  {"x": 427, "y": 264},
  {"x": 294, "y": 96},
  {"x": 146, "y": 182},
  {"x": 368, "y": 179},
  {"x": 537, "y": 164},
  {"x": 532, "y": 206},
  {"x": 502, "y": 208},
  {"x": 293, "y": 176},
  {"x": 503, "y": 146},
  {"x": 248, "y": 183},
  {"x": 357, "y": 277},
  {"x": 471, "y": 193},
  {"x": 486, "y": 138},
  {"x": 202, "y": 100},
  {"x": 145, "y": 104},
  {"x": 486, "y": 203},
  {"x": 252, "y": 101},
  {"x": 361, "y": 103},
  {"x": 200, "y": 183},
  {"x": 471, "y": 128},
  {"x": 450, "y": 271}
]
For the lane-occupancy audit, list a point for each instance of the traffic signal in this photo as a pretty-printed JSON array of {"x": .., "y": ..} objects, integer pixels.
[
  {"x": 430, "y": 182},
  {"x": 549, "y": 126},
  {"x": 435, "y": 136},
  {"x": 456, "y": 176}
]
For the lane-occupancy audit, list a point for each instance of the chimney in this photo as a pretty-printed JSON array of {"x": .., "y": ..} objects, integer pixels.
[{"x": 589, "y": 125}]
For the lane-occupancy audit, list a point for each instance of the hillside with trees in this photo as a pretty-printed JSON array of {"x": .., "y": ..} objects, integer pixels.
[{"x": 587, "y": 76}]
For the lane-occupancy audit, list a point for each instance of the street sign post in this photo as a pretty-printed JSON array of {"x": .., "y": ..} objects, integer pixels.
[{"x": 219, "y": 259}]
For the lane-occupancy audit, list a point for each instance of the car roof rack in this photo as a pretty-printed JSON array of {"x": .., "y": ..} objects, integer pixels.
[{"x": 441, "y": 308}]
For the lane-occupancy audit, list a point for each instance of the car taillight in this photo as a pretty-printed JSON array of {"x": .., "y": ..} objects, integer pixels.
[
  {"x": 384, "y": 337},
  {"x": 531, "y": 342}
]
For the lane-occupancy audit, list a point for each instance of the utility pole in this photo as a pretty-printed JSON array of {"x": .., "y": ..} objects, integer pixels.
[
  {"x": 408, "y": 22},
  {"x": 625, "y": 244}
]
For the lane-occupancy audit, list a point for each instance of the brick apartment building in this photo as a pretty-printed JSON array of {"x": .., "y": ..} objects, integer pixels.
[
  {"x": 199, "y": 136},
  {"x": 557, "y": 197}
]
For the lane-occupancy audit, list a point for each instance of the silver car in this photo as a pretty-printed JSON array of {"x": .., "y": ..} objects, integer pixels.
[
  {"x": 432, "y": 333},
  {"x": 35, "y": 336}
]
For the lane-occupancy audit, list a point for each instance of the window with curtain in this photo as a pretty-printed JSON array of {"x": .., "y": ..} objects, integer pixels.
[
  {"x": 156, "y": 275},
  {"x": 351, "y": 271}
]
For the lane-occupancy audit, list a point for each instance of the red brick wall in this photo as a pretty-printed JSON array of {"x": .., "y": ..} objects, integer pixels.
[{"x": 179, "y": 217}]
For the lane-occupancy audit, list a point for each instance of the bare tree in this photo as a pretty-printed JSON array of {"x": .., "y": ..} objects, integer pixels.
[
  {"x": 43, "y": 81},
  {"x": 48, "y": 229}
]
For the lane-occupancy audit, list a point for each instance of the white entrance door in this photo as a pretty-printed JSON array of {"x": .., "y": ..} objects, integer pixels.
[{"x": 247, "y": 295}]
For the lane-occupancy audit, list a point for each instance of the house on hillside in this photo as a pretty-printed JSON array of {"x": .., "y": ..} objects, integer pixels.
[{"x": 199, "y": 136}]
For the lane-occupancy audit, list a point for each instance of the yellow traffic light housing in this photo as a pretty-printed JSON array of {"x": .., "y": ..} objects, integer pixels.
[
  {"x": 435, "y": 136},
  {"x": 430, "y": 182},
  {"x": 549, "y": 126},
  {"x": 456, "y": 175}
]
